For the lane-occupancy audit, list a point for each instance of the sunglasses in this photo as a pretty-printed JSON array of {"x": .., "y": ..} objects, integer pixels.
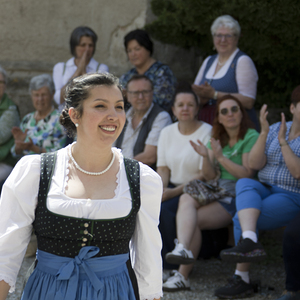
[{"x": 234, "y": 109}]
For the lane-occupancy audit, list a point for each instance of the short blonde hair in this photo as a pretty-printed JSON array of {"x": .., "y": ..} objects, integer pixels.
[{"x": 227, "y": 22}]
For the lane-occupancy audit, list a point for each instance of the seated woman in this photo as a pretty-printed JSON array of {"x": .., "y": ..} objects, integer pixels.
[
  {"x": 228, "y": 150},
  {"x": 177, "y": 162},
  {"x": 39, "y": 131},
  {"x": 139, "y": 49},
  {"x": 83, "y": 46},
  {"x": 230, "y": 71},
  {"x": 269, "y": 203},
  {"x": 9, "y": 117}
]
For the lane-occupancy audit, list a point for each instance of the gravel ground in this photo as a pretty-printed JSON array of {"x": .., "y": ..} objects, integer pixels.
[{"x": 206, "y": 277}]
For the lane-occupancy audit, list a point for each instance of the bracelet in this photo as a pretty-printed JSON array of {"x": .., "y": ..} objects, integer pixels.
[
  {"x": 284, "y": 144},
  {"x": 216, "y": 95}
]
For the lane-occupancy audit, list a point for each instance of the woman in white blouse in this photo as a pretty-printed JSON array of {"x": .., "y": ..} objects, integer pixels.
[
  {"x": 82, "y": 46},
  {"x": 178, "y": 163},
  {"x": 230, "y": 71},
  {"x": 91, "y": 211}
]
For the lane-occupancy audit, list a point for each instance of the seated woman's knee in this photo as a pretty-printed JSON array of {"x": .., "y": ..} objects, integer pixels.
[{"x": 186, "y": 200}]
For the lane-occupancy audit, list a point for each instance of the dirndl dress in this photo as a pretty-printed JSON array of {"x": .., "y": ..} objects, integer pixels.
[{"x": 82, "y": 259}]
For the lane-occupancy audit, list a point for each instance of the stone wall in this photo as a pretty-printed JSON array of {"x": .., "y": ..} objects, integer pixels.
[{"x": 35, "y": 36}]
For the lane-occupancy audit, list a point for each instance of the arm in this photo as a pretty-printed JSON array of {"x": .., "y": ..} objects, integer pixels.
[
  {"x": 164, "y": 87},
  {"x": 4, "y": 288},
  {"x": 148, "y": 156},
  {"x": 8, "y": 120},
  {"x": 18, "y": 200},
  {"x": 146, "y": 241},
  {"x": 292, "y": 161},
  {"x": 257, "y": 157},
  {"x": 208, "y": 169}
]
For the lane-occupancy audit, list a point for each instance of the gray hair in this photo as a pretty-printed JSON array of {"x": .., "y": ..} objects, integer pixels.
[
  {"x": 37, "y": 82},
  {"x": 3, "y": 72},
  {"x": 227, "y": 22}
]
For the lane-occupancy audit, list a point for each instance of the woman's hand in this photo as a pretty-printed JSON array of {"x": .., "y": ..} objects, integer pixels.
[
  {"x": 167, "y": 194},
  {"x": 204, "y": 90},
  {"x": 282, "y": 131},
  {"x": 216, "y": 148},
  {"x": 200, "y": 148},
  {"x": 264, "y": 124},
  {"x": 18, "y": 134},
  {"x": 82, "y": 64},
  {"x": 20, "y": 146}
]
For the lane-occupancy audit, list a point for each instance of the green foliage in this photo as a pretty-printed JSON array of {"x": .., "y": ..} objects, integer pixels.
[{"x": 270, "y": 36}]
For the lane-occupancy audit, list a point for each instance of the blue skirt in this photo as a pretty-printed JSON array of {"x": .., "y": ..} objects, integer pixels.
[{"x": 80, "y": 278}]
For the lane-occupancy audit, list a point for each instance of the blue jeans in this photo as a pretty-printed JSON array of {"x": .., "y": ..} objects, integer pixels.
[{"x": 277, "y": 206}]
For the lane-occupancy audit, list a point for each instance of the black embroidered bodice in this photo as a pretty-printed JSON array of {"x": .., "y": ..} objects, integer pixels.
[{"x": 65, "y": 236}]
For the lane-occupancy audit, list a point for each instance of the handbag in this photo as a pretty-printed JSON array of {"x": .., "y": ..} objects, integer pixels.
[{"x": 206, "y": 192}]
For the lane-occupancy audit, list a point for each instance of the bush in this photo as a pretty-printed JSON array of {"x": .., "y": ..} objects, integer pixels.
[{"x": 270, "y": 36}]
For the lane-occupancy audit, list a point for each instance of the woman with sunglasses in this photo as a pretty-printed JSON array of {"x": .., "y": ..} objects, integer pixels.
[
  {"x": 227, "y": 152},
  {"x": 270, "y": 203},
  {"x": 230, "y": 71}
]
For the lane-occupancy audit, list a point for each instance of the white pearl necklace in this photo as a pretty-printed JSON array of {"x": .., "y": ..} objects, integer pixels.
[{"x": 91, "y": 173}]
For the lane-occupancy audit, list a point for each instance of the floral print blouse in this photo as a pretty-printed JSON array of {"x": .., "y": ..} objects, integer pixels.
[
  {"x": 47, "y": 133},
  {"x": 163, "y": 81}
]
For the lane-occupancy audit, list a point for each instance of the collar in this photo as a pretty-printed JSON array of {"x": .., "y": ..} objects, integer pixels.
[
  {"x": 91, "y": 66},
  {"x": 130, "y": 113}
]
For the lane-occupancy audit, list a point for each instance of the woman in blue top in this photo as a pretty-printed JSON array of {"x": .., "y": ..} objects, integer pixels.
[
  {"x": 269, "y": 203},
  {"x": 230, "y": 71},
  {"x": 139, "y": 49}
]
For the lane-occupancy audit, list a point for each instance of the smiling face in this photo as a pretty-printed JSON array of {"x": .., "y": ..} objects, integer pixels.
[
  {"x": 232, "y": 119},
  {"x": 137, "y": 54},
  {"x": 225, "y": 41},
  {"x": 85, "y": 45},
  {"x": 185, "y": 107},
  {"x": 42, "y": 100},
  {"x": 140, "y": 95},
  {"x": 103, "y": 116}
]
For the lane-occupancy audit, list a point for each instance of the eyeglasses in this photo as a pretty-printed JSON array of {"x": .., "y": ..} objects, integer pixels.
[
  {"x": 225, "y": 36},
  {"x": 234, "y": 109},
  {"x": 135, "y": 94}
]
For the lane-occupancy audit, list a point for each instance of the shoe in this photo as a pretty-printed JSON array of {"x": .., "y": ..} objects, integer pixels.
[
  {"x": 180, "y": 255},
  {"x": 235, "y": 288},
  {"x": 290, "y": 296},
  {"x": 166, "y": 274},
  {"x": 245, "y": 251},
  {"x": 176, "y": 283}
]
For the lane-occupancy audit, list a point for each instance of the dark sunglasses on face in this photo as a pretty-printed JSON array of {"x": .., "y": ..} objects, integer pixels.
[{"x": 234, "y": 109}]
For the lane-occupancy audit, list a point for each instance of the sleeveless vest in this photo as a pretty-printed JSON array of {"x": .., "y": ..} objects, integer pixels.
[
  {"x": 65, "y": 236},
  {"x": 227, "y": 84},
  {"x": 143, "y": 134}
]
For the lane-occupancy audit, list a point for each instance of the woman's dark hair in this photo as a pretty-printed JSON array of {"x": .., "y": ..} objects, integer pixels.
[
  {"x": 78, "y": 33},
  {"x": 78, "y": 90},
  {"x": 295, "y": 97},
  {"x": 184, "y": 87},
  {"x": 142, "y": 37},
  {"x": 218, "y": 130}
]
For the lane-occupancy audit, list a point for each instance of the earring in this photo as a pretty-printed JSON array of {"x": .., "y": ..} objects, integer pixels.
[{"x": 76, "y": 125}]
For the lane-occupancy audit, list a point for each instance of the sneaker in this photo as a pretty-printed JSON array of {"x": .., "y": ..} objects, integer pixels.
[
  {"x": 235, "y": 288},
  {"x": 180, "y": 255},
  {"x": 245, "y": 251},
  {"x": 176, "y": 283},
  {"x": 290, "y": 296},
  {"x": 166, "y": 274}
]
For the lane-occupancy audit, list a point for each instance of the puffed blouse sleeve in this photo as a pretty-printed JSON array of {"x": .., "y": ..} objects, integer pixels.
[
  {"x": 17, "y": 206},
  {"x": 146, "y": 242}
]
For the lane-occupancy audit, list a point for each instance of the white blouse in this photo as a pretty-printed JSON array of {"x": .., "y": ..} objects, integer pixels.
[
  {"x": 246, "y": 74},
  {"x": 19, "y": 200}
]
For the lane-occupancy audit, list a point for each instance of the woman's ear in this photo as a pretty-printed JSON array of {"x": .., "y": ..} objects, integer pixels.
[
  {"x": 73, "y": 115},
  {"x": 292, "y": 108}
]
